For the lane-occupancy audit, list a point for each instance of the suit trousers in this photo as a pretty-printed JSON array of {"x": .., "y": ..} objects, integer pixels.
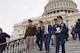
[
  {"x": 29, "y": 43},
  {"x": 47, "y": 42},
  {"x": 39, "y": 42}
]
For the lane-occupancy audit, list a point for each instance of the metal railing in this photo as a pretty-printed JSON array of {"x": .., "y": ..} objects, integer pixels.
[{"x": 15, "y": 46}]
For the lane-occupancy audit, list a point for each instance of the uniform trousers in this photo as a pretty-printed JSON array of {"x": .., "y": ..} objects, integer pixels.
[
  {"x": 60, "y": 41},
  {"x": 30, "y": 43}
]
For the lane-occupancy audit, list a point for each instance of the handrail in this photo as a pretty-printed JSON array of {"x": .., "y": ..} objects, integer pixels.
[
  {"x": 15, "y": 45},
  {"x": 12, "y": 40},
  {"x": 3, "y": 43}
]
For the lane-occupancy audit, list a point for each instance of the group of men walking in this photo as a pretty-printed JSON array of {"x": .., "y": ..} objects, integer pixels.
[{"x": 44, "y": 32}]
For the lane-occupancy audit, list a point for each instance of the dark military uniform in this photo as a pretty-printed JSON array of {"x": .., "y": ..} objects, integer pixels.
[
  {"x": 60, "y": 37},
  {"x": 31, "y": 31},
  {"x": 29, "y": 36}
]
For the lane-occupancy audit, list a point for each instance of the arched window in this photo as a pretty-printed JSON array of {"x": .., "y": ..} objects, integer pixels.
[
  {"x": 54, "y": 12},
  {"x": 58, "y": 11},
  {"x": 72, "y": 11},
  {"x": 65, "y": 11},
  {"x": 69, "y": 11},
  {"x": 61, "y": 10},
  {"x": 50, "y": 12}
]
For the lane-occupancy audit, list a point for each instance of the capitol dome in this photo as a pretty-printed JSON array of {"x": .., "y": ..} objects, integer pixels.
[{"x": 56, "y": 6}]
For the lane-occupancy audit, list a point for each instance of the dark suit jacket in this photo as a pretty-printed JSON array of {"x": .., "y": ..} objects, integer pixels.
[
  {"x": 78, "y": 26},
  {"x": 39, "y": 32},
  {"x": 49, "y": 30}
]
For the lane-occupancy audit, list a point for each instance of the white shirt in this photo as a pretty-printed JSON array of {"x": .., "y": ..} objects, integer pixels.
[{"x": 46, "y": 29}]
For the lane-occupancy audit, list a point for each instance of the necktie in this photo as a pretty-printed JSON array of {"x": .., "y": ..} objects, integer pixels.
[{"x": 46, "y": 30}]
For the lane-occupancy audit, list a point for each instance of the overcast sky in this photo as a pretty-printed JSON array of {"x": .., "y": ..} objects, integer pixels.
[{"x": 15, "y": 11}]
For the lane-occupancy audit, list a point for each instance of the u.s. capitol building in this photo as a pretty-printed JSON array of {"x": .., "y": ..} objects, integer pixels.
[{"x": 66, "y": 8}]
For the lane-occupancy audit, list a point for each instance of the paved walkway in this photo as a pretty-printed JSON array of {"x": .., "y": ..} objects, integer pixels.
[{"x": 71, "y": 47}]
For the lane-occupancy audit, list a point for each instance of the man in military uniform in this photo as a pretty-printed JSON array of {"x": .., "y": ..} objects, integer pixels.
[
  {"x": 31, "y": 32},
  {"x": 60, "y": 30}
]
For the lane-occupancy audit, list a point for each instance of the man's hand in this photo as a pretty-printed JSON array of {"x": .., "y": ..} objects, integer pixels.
[
  {"x": 24, "y": 40},
  {"x": 58, "y": 31},
  {"x": 7, "y": 40},
  {"x": 34, "y": 37}
]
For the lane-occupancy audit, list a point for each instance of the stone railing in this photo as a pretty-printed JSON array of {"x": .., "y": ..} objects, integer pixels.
[{"x": 15, "y": 45}]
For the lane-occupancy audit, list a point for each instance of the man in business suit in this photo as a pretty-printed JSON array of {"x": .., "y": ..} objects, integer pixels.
[
  {"x": 31, "y": 32},
  {"x": 60, "y": 30},
  {"x": 39, "y": 38},
  {"x": 47, "y": 32},
  {"x": 78, "y": 28}
]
